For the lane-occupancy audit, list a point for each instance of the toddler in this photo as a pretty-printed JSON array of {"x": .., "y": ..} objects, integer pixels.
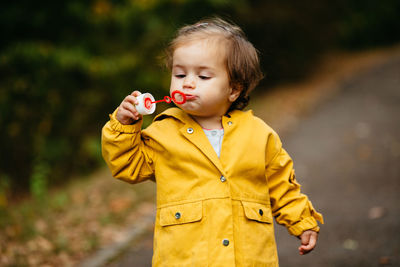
[{"x": 221, "y": 173}]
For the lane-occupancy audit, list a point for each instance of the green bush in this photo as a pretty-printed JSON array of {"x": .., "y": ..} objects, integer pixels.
[{"x": 65, "y": 65}]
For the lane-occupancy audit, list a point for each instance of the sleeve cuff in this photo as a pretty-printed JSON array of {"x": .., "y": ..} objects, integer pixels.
[
  {"x": 119, "y": 127},
  {"x": 308, "y": 223}
]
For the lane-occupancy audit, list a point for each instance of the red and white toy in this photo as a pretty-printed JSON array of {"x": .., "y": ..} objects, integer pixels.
[{"x": 147, "y": 103}]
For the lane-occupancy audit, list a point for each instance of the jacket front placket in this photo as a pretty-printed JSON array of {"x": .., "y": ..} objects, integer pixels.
[
  {"x": 225, "y": 250},
  {"x": 195, "y": 134}
]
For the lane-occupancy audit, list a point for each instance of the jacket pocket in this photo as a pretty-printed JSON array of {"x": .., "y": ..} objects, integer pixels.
[
  {"x": 180, "y": 237},
  {"x": 256, "y": 235},
  {"x": 257, "y": 212},
  {"x": 182, "y": 213}
]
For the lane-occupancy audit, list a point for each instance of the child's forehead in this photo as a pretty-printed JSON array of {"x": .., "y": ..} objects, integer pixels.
[{"x": 213, "y": 45}]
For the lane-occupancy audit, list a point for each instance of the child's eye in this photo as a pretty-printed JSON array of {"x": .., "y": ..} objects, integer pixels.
[
  {"x": 180, "y": 76},
  {"x": 204, "y": 77}
]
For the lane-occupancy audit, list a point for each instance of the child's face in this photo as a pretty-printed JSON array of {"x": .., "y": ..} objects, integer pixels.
[{"x": 199, "y": 71}]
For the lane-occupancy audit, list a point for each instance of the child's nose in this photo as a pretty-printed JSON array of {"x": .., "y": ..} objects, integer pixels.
[{"x": 189, "y": 82}]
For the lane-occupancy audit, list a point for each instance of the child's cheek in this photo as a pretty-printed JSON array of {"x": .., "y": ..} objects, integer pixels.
[{"x": 174, "y": 84}]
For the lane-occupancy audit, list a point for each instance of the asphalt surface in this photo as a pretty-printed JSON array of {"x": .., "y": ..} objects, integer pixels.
[{"x": 347, "y": 158}]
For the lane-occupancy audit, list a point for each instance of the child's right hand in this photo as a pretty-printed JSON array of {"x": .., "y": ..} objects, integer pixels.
[{"x": 127, "y": 113}]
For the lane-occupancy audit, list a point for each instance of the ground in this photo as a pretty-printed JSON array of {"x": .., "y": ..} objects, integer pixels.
[{"x": 347, "y": 154}]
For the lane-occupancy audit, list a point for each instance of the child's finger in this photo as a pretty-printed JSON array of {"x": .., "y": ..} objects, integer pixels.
[
  {"x": 308, "y": 241},
  {"x": 307, "y": 247},
  {"x": 127, "y": 110},
  {"x": 131, "y": 99},
  {"x": 130, "y": 110},
  {"x": 129, "y": 106},
  {"x": 136, "y": 93},
  {"x": 133, "y": 96}
]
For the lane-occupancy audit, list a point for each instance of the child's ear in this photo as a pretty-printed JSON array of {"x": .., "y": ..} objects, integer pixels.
[{"x": 235, "y": 93}]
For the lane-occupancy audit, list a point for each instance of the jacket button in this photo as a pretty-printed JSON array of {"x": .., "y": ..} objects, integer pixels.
[
  {"x": 230, "y": 123},
  {"x": 261, "y": 212},
  {"x": 190, "y": 130},
  {"x": 177, "y": 215},
  {"x": 223, "y": 179},
  {"x": 225, "y": 242}
]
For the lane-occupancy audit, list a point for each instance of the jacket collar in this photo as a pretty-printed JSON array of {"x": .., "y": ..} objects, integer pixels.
[
  {"x": 176, "y": 113},
  {"x": 193, "y": 132},
  {"x": 179, "y": 114}
]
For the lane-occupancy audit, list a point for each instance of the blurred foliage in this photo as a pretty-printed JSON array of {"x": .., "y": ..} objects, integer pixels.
[
  {"x": 64, "y": 65},
  {"x": 74, "y": 221}
]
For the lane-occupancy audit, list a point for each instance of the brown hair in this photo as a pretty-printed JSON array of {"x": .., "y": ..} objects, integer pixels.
[{"x": 242, "y": 61}]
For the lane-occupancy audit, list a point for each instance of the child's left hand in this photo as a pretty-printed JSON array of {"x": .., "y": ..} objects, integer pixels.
[{"x": 308, "y": 241}]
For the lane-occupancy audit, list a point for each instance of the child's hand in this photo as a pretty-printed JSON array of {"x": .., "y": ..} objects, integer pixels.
[
  {"x": 127, "y": 113},
  {"x": 308, "y": 241}
]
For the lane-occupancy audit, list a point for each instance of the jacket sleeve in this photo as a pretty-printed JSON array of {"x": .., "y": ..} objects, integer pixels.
[
  {"x": 289, "y": 206},
  {"x": 126, "y": 153}
]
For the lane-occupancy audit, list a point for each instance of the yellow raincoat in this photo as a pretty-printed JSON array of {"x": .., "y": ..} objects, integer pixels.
[{"x": 211, "y": 211}]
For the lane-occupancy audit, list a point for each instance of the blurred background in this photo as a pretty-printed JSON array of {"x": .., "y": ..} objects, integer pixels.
[{"x": 65, "y": 65}]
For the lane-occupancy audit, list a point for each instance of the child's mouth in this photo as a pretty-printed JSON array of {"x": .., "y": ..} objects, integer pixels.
[{"x": 190, "y": 97}]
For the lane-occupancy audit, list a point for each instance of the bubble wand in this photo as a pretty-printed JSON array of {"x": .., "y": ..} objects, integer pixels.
[{"x": 147, "y": 103}]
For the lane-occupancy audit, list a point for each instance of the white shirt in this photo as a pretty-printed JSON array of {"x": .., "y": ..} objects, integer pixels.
[{"x": 215, "y": 137}]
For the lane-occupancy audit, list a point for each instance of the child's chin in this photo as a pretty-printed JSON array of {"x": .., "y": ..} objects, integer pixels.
[{"x": 190, "y": 111}]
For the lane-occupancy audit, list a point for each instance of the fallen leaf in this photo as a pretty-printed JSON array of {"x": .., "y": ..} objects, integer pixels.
[
  {"x": 350, "y": 244},
  {"x": 376, "y": 212},
  {"x": 384, "y": 260}
]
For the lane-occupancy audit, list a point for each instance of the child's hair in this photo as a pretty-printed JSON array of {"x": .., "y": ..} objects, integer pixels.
[{"x": 242, "y": 61}]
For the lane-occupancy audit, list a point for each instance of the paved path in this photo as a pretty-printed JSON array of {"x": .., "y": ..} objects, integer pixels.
[{"x": 347, "y": 157}]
